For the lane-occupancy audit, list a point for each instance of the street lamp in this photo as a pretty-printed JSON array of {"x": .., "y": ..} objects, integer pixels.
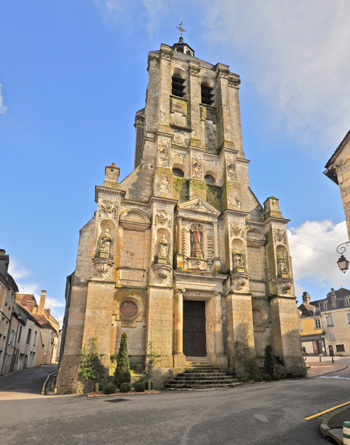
[{"x": 343, "y": 263}]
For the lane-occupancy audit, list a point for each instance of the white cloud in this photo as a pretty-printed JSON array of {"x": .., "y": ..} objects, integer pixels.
[
  {"x": 2, "y": 106},
  {"x": 310, "y": 264},
  {"x": 29, "y": 288},
  {"x": 17, "y": 271},
  {"x": 298, "y": 58},
  {"x": 53, "y": 303}
]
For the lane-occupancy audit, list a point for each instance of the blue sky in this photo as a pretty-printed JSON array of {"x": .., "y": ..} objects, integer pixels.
[{"x": 73, "y": 74}]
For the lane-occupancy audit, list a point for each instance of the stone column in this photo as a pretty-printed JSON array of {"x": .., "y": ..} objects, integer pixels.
[
  {"x": 179, "y": 256},
  {"x": 194, "y": 70},
  {"x": 179, "y": 358},
  {"x": 219, "y": 335},
  {"x": 222, "y": 73},
  {"x": 217, "y": 262},
  {"x": 152, "y": 107}
]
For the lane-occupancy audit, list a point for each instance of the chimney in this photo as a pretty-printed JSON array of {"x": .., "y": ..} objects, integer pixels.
[
  {"x": 306, "y": 298},
  {"x": 4, "y": 263},
  {"x": 42, "y": 302},
  {"x": 333, "y": 299},
  {"x": 47, "y": 313}
]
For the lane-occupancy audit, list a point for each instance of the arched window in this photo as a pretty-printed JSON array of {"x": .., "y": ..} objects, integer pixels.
[
  {"x": 178, "y": 172},
  {"x": 209, "y": 179},
  {"x": 178, "y": 86},
  {"x": 207, "y": 94}
]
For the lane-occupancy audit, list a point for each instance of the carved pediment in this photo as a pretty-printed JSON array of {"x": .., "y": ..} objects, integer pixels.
[{"x": 198, "y": 205}]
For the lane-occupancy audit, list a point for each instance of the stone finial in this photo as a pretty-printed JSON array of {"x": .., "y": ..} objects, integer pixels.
[
  {"x": 112, "y": 174},
  {"x": 306, "y": 298},
  {"x": 272, "y": 208}
]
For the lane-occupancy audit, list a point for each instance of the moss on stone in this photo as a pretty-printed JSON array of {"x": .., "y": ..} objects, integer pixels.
[
  {"x": 181, "y": 189},
  {"x": 214, "y": 195}
]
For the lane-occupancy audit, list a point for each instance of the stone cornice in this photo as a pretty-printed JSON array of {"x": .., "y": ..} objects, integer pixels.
[
  {"x": 154, "y": 199},
  {"x": 274, "y": 219},
  {"x": 108, "y": 191},
  {"x": 229, "y": 212}
]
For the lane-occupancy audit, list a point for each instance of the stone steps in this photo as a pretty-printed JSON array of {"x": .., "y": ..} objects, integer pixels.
[{"x": 200, "y": 374}]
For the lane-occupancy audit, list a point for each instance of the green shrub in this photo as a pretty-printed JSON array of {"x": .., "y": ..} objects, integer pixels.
[
  {"x": 91, "y": 367},
  {"x": 251, "y": 367},
  {"x": 267, "y": 378},
  {"x": 100, "y": 387},
  {"x": 109, "y": 389},
  {"x": 258, "y": 378},
  {"x": 139, "y": 387},
  {"x": 275, "y": 376},
  {"x": 113, "y": 358},
  {"x": 122, "y": 372},
  {"x": 125, "y": 387},
  {"x": 269, "y": 362}
]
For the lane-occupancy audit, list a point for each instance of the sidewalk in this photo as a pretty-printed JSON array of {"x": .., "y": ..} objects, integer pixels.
[{"x": 315, "y": 368}]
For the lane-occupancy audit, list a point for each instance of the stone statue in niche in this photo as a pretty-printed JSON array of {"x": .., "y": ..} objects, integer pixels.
[
  {"x": 238, "y": 261},
  {"x": 105, "y": 241},
  {"x": 196, "y": 251},
  {"x": 281, "y": 266},
  {"x": 163, "y": 250}
]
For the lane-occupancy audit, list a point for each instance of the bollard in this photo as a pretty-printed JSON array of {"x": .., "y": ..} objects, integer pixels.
[
  {"x": 346, "y": 433},
  {"x": 320, "y": 359},
  {"x": 332, "y": 359}
]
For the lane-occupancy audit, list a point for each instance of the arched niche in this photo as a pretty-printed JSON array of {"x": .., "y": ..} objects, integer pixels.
[
  {"x": 238, "y": 255},
  {"x": 179, "y": 167},
  {"x": 213, "y": 175},
  {"x": 255, "y": 237},
  {"x": 282, "y": 262},
  {"x": 105, "y": 227},
  {"x": 163, "y": 246},
  {"x": 135, "y": 220}
]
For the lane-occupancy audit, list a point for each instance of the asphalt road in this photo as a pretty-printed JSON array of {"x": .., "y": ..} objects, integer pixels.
[{"x": 263, "y": 414}]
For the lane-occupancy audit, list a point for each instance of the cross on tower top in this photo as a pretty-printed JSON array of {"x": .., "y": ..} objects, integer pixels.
[{"x": 181, "y": 29}]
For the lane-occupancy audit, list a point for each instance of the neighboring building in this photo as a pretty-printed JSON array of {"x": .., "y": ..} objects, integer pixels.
[
  {"x": 181, "y": 255},
  {"x": 334, "y": 325},
  {"x": 48, "y": 324},
  {"x": 338, "y": 170},
  {"x": 310, "y": 328},
  {"x": 28, "y": 339},
  {"x": 8, "y": 323}
]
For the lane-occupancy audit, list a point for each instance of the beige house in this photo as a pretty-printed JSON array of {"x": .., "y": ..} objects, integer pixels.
[
  {"x": 181, "y": 255},
  {"x": 49, "y": 326},
  {"x": 338, "y": 170},
  {"x": 8, "y": 323}
]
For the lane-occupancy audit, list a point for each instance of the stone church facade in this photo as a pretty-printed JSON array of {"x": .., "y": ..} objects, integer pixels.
[{"x": 180, "y": 255}]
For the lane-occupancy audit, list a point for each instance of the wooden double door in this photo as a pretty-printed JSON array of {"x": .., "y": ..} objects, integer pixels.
[{"x": 194, "y": 338}]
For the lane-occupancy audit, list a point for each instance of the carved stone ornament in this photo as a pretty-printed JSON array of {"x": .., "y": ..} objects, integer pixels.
[
  {"x": 162, "y": 272},
  {"x": 108, "y": 210},
  {"x": 165, "y": 55},
  {"x": 197, "y": 167},
  {"x": 163, "y": 156},
  {"x": 199, "y": 207},
  {"x": 234, "y": 82},
  {"x": 234, "y": 203},
  {"x": 163, "y": 218},
  {"x": 194, "y": 70},
  {"x": 197, "y": 264},
  {"x": 104, "y": 244},
  {"x": 259, "y": 315},
  {"x": 238, "y": 261},
  {"x": 239, "y": 282},
  {"x": 237, "y": 230},
  {"x": 284, "y": 286},
  {"x": 102, "y": 267},
  {"x": 231, "y": 168},
  {"x": 280, "y": 236},
  {"x": 282, "y": 270},
  {"x": 162, "y": 257}
]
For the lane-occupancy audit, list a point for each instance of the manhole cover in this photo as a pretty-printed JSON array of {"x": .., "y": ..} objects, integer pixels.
[{"x": 117, "y": 400}]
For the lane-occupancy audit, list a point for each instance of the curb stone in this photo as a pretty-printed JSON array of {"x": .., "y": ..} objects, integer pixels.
[{"x": 334, "y": 433}]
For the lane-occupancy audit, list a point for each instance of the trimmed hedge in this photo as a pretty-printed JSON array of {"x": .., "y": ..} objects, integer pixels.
[
  {"x": 125, "y": 387},
  {"x": 139, "y": 387},
  {"x": 109, "y": 389}
]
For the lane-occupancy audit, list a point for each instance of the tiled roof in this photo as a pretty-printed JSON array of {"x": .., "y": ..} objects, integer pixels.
[
  {"x": 43, "y": 321},
  {"x": 307, "y": 310},
  {"x": 26, "y": 298},
  {"x": 27, "y": 313}
]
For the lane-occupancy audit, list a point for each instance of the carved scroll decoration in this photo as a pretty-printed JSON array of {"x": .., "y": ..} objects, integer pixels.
[
  {"x": 237, "y": 230},
  {"x": 280, "y": 236},
  {"x": 163, "y": 218},
  {"x": 108, "y": 210},
  {"x": 197, "y": 166}
]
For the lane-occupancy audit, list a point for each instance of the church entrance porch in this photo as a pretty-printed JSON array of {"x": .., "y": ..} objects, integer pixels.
[{"x": 194, "y": 335}]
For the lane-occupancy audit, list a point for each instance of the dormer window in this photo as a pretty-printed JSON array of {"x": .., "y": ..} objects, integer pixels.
[
  {"x": 178, "y": 87},
  {"x": 207, "y": 94}
]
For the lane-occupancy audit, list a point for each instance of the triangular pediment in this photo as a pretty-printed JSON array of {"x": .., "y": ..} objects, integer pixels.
[{"x": 200, "y": 206}]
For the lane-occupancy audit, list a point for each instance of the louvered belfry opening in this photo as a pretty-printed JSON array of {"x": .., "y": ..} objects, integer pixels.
[
  {"x": 207, "y": 94},
  {"x": 178, "y": 87}
]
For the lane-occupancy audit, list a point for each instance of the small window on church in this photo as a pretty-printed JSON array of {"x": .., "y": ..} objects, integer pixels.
[
  {"x": 209, "y": 179},
  {"x": 178, "y": 172},
  {"x": 178, "y": 86},
  {"x": 180, "y": 50},
  {"x": 207, "y": 94}
]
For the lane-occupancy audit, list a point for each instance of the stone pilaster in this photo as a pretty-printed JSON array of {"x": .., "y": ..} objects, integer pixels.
[
  {"x": 195, "y": 98},
  {"x": 222, "y": 74},
  {"x": 179, "y": 357},
  {"x": 152, "y": 106},
  {"x": 235, "y": 113},
  {"x": 165, "y": 88},
  {"x": 197, "y": 183}
]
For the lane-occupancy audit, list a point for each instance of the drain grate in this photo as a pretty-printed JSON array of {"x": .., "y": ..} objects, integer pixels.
[{"x": 117, "y": 400}]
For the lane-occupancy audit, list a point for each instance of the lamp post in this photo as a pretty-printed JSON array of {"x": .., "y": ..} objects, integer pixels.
[{"x": 343, "y": 263}]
